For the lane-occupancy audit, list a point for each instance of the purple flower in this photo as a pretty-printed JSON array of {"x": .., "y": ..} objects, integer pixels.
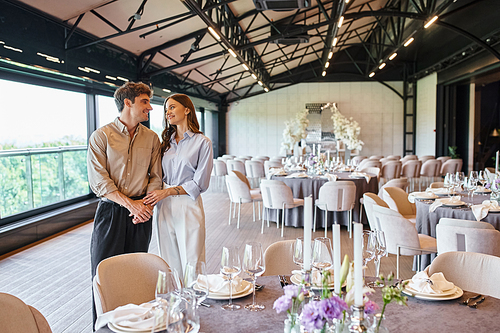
[
  {"x": 487, "y": 185},
  {"x": 311, "y": 318},
  {"x": 291, "y": 291},
  {"x": 282, "y": 304},
  {"x": 332, "y": 308},
  {"x": 371, "y": 307}
]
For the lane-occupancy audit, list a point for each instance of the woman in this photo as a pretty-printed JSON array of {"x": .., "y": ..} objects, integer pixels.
[{"x": 187, "y": 165}]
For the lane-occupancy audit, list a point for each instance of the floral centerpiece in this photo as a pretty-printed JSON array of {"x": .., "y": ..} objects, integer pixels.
[
  {"x": 494, "y": 186},
  {"x": 295, "y": 130},
  {"x": 290, "y": 302},
  {"x": 345, "y": 129},
  {"x": 390, "y": 293}
]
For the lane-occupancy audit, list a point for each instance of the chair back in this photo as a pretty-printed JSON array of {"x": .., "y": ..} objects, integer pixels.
[
  {"x": 397, "y": 199},
  {"x": 245, "y": 157},
  {"x": 409, "y": 158},
  {"x": 225, "y": 159},
  {"x": 443, "y": 158},
  {"x": 233, "y": 165},
  {"x": 376, "y": 157},
  {"x": 241, "y": 176},
  {"x": 338, "y": 196},
  {"x": 402, "y": 183},
  {"x": 255, "y": 169},
  {"x": 115, "y": 276},
  {"x": 467, "y": 238},
  {"x": 391, "y": 170},
  {"x": 397, "y": 230},
  {"x": 370, "y": 163},
  {"x": 220, "y": 168},
  {"x": 280, "y": 194},
  {"x": 266, "y": 158},
  {"x": 411, "y": 169},
  {"x": 465, "y": 223},
  {"x": 229, "y": 156},
  {"x": 271, "y": 164},
  {"x": 394, "y": 157},
  {"x": 437, "y": 185},
  {"x": 387, "y": 159},
  {"x": 356, "y": 160},
  {"x": 266, "y": 192},
  {"x": 425, "y": 158},
  {"x": 370, "y": 199},
  {"x": 452, "y": 165},
  {"x": 430, "y": 168},
  {"x": 237, "y": 189},
  {"x": 474, "y": 272},
  {"x": 16, "y": 316},
  {"x": 279, "y": 258}
]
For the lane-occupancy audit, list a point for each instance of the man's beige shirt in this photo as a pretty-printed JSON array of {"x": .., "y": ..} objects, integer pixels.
[{"x": 117, "y": 163}]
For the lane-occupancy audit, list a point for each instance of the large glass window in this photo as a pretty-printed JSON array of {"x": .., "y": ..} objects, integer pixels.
[
  {"x": 106, "y": 110},
  {"x": 156, "y": 119}
]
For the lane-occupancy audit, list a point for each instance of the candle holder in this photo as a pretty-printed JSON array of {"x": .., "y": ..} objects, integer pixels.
[
  {"x": 357, "y": 319},
  {"x": 306, "y": 283}
]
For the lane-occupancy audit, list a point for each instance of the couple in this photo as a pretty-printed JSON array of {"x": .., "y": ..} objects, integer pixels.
[{"x": 125, "y": 170}]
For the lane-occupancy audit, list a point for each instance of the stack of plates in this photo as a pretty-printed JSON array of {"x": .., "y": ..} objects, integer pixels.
[
  {"x": 297, "y": 279},
  {"x": 424, "y": 195},
  {"x": 247, "y": 289},
  {"x": 452, "y": 293},
  {"x": 452, "y": 203}
]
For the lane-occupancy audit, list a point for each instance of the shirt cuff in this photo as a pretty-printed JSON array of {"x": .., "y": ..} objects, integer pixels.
[{"x": 191, "y": 189}]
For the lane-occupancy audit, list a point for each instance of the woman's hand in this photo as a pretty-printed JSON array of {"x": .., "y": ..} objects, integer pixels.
[{"x": 154, "y": 197}]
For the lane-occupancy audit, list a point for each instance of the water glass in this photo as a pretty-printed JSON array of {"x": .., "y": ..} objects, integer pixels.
[
  {"x": 298, "y": 252},
  {"x": 168, "y": 281},
  {"x": 368, "y": 248},
  {"x": 230, "y": 266},
  {"x": 194, "y": 272},
  {"x": 254, "y": 265},
  {"x": 380, "y": 248}
]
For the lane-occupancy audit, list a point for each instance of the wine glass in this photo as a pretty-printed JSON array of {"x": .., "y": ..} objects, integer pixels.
[
  {"x": 230, "y": 267},
  {"x": 482, "y": 178},
  {"x": 448, "y": 182},
  {"x": 194, "y": 272},
  {"x": 368, "y": 248},
  {"x": 254, "y": 265},
  {"x": 322, "y": 255},
  {"x": 470, "y": 186},
  {"x": 182, "y": 314},
  {"x": 459, "y": 178},
  {"x": 380, "y": 248},
  {"x": 168, "y": 281},
  {"x": 298, "y": 252}
]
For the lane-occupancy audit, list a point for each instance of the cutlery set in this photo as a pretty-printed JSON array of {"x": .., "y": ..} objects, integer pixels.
[
  {"x": 283, "y": 281},
  {"x": 470, "y": 301}
]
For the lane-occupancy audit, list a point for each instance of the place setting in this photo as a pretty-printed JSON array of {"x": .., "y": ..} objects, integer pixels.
[{"x": 431, "y": 288}]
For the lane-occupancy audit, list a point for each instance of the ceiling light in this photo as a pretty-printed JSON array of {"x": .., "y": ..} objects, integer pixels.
[
  {"x": 245, "y": 67},
  {"x": 327, "y": 64},
  {"x": 323, "y": 74},
  {"x": 341, "y": 20},
  {"x": 334, "y": 42},
  {"x": 408, "y": 42},
  {"x": 122, "y": 78},
  {"x": 110, "y": 84},
  {"x": 92, "y": 70},
  {"x": 372, "y": 74},
  {"x": 232, "y": 52},
  {"x": 254, "y": 76},
  {"x": 2, "y": 42},
  {"x": 394, "y": 55},
  {"x": 167, "y": 91},
  {"x": 266, "y": 89},
  {"x": 428, "y": 24},
  {"x": 110, "y": 77},
  {"x": 346, "y": 1},
  {"x": 84, "y": 69},
  {"x": 260, "y": 83},
  {"x": 382, "y": 65},
  {"x": 212, "y": 31},
  {"x": 13, "y": 48},
  {"x": 330, "y": 55}
]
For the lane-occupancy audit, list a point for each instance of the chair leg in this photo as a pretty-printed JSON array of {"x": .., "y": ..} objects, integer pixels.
[
  {"x": 314, "y": 219},
  {"x": 253, "y": 210},
  {"x": 326, "y": 223},
  {"x": 349, "y": 225},
  {"x": 267, "y": 214},
  {"x": 283, "y": 221},
  {"x": 230, "y": 205},
  {"x": 398, "y": 250},
  {"x": 239, "y": 214},
  {"x": 234, "y": 210},
  {"x": 419, "y": 263},
  {"x": 260, "y": 217}
]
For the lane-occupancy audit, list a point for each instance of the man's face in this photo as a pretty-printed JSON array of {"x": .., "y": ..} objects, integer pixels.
[{"x": 140, "y": 108}]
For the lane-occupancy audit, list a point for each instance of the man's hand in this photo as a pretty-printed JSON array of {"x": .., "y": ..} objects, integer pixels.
[{"x": 140, "y": 211}]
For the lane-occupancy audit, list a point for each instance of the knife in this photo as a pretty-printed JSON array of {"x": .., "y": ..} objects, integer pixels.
[
  {"x": 282, "y": 282},
  {"x": 475, "y": 304}
]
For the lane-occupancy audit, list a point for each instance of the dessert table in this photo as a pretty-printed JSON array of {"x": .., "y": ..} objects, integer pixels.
[
  {"x": 419, "y": 316},
  {"x": 304, "y": 187}
]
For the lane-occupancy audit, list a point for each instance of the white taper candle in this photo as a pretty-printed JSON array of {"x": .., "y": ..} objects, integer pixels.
[
  {"x": 336, "y": 258},
  {"x": 496, "y": 163},
  {"x": 358, "y": 264},
  {"x": 308, "y": 215}
]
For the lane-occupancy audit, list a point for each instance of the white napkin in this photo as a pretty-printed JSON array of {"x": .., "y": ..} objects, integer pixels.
[
  {"x": 276, "y": 172},
  {"x": 421, "y": 195},
  {"x": 219, "y": 284},
  {"x": 357, "y": 174},
  {"x": 482, "y": 189},
  {"x": 130, "y": 315},
  {"x": 330, "y": 177},
  {"x": 420, "y": 282},
  {"x": 439, "y": 191},
  {"x": 297, "y": 175},
  {"x": 316, "y": 277},
  {"x": 445, "y": 201},
  {"x": 480, "y": 211}
]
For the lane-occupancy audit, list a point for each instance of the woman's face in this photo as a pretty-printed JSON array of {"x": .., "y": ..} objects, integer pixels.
[{"x": 176, "y": 113}]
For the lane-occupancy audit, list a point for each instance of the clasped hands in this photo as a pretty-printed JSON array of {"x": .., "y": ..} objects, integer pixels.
[{"x": 145, "y": 206}]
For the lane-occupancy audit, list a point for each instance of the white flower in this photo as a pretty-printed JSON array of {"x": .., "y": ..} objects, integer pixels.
[
  {"x": 295, "y": 130},
  {"x": 345, "y": 129}
]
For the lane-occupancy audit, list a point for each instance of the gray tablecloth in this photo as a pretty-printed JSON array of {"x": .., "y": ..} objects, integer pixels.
[
  {"x": 303, "y": 187},
  {"x": 426, "y": 222},
  {"x": 419, "y": 316}
]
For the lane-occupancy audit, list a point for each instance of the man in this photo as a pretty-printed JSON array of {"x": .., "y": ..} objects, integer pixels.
[{"x": 123, "y": 164}]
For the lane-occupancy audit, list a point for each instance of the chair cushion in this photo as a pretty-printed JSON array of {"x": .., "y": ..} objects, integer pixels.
[{"x": 427, "y": 243}]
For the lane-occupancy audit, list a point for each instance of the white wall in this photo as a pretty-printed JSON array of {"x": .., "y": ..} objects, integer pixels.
[
  {"x": 255, "y": 125},
  {"x": 426, "y": 115}
]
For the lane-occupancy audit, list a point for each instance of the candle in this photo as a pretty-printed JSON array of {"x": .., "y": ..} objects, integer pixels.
[
  {"x": 328, "y": 155},
  {"x": 319, "y": 149},
  {"x": 308, "y": 215},
  {"x": 358, "y": 264},
  {"x": 313, "y": 148},
  {"x": 496, "y": 163},
  {"x": 336, "y": 257}
]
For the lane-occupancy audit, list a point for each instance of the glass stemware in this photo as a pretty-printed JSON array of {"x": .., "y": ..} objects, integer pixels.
[
  {"x": 298, "y": 252},
  {"x": 368, "y": 248},
  {"x": 459, "y": 179},
  {"x": 448, "y": 182},
  {"x": 230, "y": 266},
  {"x": 380, "y": 248},
  {"x": 194, "y": 272},
  {"x": 168, "y": 281},
  {"x": 322, "y": 254},
  {"x": 482, "y": 178},
  {"x": 254, "y": 265}
]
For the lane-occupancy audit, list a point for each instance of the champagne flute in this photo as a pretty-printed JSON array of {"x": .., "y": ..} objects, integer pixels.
[
  {"x": 230, "y": 267},
  {"x": 254, "y": 265},
  {"x": 194, "y": 272},
  {"x": 368, "y": 248}
]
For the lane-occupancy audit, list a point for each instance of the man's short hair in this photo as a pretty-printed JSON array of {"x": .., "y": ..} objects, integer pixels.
[{"x": 130, "y": 90}]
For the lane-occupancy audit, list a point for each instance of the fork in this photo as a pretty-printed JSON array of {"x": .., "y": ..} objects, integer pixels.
[
  {"x": 468, "y": 300},
  {"x": 475, "y": 304}
]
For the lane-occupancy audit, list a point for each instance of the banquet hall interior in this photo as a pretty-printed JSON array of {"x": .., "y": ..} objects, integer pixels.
[{"x": 273, "y": 81}]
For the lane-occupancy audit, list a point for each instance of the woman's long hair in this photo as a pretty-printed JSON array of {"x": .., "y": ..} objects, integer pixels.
[{"x": 170, "y": 129}]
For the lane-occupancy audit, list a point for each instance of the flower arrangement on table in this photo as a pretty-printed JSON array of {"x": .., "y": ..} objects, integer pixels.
[
  {"x": 494, "y": 186},
  {"x": 390, "y": 292},
  {"x": 345, "y": 129},
  {"x": 295, "y": 130}
]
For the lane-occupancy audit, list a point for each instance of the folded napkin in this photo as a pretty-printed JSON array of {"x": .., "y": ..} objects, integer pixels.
[
  {"x": 131, "y": 316},
  {"x": 439, "y": 191},
  {"x": 330, "y": 177},
  {"x": 435, "y": 284},
  {"x": 445, "y": 201},
  {"x": 276, "y": 172},
  {"x": 316, "y": 277},
  {"x": 219, "y": 284},
  {"x": 421, "y": 195},
  {"x": 297, "y": 168},
  {"x": 297, "y": 175},
  {"x": 480, "y": 211},
  {"x": 357, "y": 174}
]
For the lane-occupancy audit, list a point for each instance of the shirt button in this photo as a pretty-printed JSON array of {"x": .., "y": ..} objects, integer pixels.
[
  {"x": 126, "y": 187},
  {"x": 128, "y": 174}
]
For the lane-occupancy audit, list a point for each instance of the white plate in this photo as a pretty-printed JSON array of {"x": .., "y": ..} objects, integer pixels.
[
  {"x": 118, "y": 329},
  {"x": 485, "y": 191},
  {"x": 454, "y": 204},
  {"x": 247, "y": 290},
  {"x": 458, "y": 293},
  {"x": 414, "y": 292},
  {"x": 297, "y": 280},
  {"x": 425, "y": 196}
]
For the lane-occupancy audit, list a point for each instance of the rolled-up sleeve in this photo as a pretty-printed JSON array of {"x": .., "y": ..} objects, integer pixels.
[
  {"x": 100, "y": 181},
  {"x": 155, "y": 181},
  {"x": 201, "y": 179}
]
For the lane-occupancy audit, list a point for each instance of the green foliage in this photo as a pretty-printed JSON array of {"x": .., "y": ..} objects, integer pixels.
[{"x": 453, "y": 152}]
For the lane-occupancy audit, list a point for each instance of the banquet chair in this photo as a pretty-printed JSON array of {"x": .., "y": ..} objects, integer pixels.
[
  {"x": 394, "y": 157},
  {"x": 356, "y": 160},
  {"x": 370, "y": 164},
  {"x": 388, "y": 159},
  {"x": 239, "y": 192},
  {"x": 126, "y": 278},
  {"x": 474, "y": 272},
  {"x": 390, "y": 170},
  {"x": 280, "y": 197},
  {"x": 397, "y": 199},
  {"x": 370, "y": 199},
  {"x": 220, "y": 170},
  {"x": 402, "y": 183},
  {"x": 271, "y": 164},
  {"x": 266, "y": 158},
  {"x": 443, "y": 158},
  {"x": 279, "y": 258},
  {"x": 430, "y": 169},
  {"x": 372, "y": 170},
  {"x": 467, "y": 236},
  {"x": 407, "y": 158},
  {"x": 451, "y": 166},
  {"x": 255, "y": 172},
  {"x": 232, "y": 157},
  {"x": 225, "y": 159},
  {"x": 376, "y": 157},
  {"x": 246, "y": 157},
  {"x": 425, "y": 158},
  {"x": 401, "y": 236},
  {"x": 233, "y": 165},
  {"x": 437, "y": 185},
  {"x": 339, "y": 196},
  {"x": 17, "y": 316},
  {"x": 411, "y": 170}
]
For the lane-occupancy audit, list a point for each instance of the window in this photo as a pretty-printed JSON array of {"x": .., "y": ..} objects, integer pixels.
[{"x": 106, "y": 110}]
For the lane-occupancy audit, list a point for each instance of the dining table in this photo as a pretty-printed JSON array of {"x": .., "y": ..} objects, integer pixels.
[
  {"x": 303, "y": 187},
  {"x": 419, "y": 316},
  {"x": 426, "y": 221}
]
